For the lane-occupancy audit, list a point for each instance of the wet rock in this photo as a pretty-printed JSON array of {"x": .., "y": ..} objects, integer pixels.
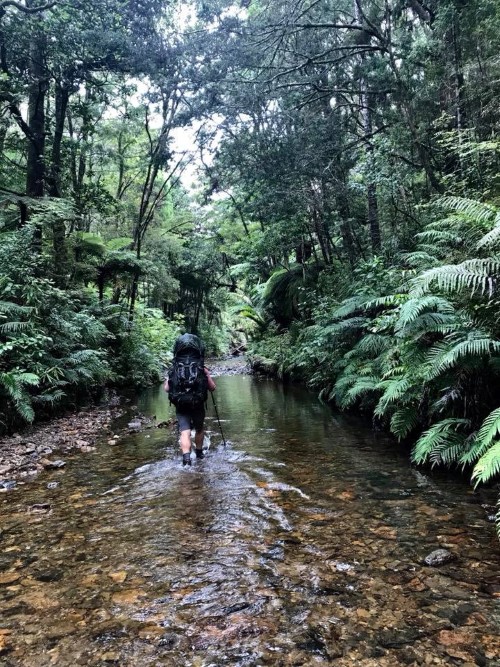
[
  {"x": 5, "y": 643},
  {"x": 492, "y": 589},
  {"x": 7, "y": 484},
  {"x": 165, "y": 424},
  {"x": 39, "y": 508},
  {"x": 9, "y": 578},
  {"x": 168, "y": 641},
  {"x": 439, "y": 557},
  {"x": 134, "y": 425},
  {"x": 393, "y": 638},
  {"x": 52, "y": 465},
  {"x": 46, "y": 576}
]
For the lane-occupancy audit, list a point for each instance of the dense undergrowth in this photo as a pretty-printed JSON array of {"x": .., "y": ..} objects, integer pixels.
[
  {"x": 415, "y": 342},
  {"x": 59, "y": 348}
]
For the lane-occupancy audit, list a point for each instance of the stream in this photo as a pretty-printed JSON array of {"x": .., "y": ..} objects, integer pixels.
[{"x": 302, "y": 542}]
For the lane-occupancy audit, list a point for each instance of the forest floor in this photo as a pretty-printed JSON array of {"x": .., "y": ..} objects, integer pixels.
[{"x": 39, "y": 446}]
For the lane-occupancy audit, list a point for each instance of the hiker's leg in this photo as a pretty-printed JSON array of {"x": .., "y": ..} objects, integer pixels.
[
  {"x": 185, "y": 441},
  {"x": 198, "y": 423},
  {"x": 184, "y": 421}
]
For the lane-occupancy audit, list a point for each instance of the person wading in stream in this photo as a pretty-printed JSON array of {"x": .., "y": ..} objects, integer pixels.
[{"x": 188, "y": 383}]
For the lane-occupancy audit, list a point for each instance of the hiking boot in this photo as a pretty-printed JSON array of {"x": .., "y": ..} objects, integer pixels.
[
  {"x": 200, "y": 454},
  {"x": 186, "y": 459}
]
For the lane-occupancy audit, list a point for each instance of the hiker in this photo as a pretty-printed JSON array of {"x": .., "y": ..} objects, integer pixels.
[{"x": 187, "y": 384}]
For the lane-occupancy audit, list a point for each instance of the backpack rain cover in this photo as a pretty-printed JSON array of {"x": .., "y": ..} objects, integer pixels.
[{"x": 187, "y": 382}]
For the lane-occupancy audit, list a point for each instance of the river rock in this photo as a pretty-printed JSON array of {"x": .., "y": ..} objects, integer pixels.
[
  {"x": 52, "y": 465},
  {"x": 262, "y": 365},
  {"x": 134, "y": 425},
  {"x": 439, "y": 557}
]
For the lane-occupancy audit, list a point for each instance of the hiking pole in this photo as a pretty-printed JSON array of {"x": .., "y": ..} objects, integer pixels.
[{"x": 217, "y": 415}]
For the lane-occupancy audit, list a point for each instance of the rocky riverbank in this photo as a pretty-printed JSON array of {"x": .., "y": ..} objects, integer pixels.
[{"x": 40, "y": 446}]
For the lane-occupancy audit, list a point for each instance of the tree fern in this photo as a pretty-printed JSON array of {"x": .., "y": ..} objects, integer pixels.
[{"x": 442, "y": 435}]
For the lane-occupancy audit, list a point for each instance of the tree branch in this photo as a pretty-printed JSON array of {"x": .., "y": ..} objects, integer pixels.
[{"x": 23, "y": 8}]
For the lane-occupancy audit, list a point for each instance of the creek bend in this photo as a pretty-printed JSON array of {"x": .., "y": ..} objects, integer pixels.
[{"x": 301, "y": 543}]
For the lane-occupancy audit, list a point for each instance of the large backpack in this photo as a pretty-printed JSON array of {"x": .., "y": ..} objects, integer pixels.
[{"x": 187, "y": 382}]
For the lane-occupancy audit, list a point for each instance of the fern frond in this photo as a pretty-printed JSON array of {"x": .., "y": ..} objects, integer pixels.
[
  {"x": 404, "y": 420},
  {"x": 488, "y": 466},
  {"x": 14, "y": 327},
  {"x": 475, "y": 275},
  {"x": 385, "y": 301},
  {"x": 420, "y": 258},
  {"x": 449, "y": 452},
  {"x": 469, "y": 207},
  {"x": 363, "y": 385},
  {"x": 439, "y": 236},
  {"x": 371, "y": 345},
  {"x": 440, "y": 436},
  {"x": 342, "y": 327},
  {"x": 10, "y": 308},
  {"x": 393, "y": 390},
  {"x": 489, "y": 431},
  {"x": 430, "y": 323},
  {"x": 492, "y": 237},
  {"x": 442, "y": 357},
  {"x": 417, "y": 305}
]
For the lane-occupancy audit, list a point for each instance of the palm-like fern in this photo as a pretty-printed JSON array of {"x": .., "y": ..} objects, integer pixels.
[{"x": 441, "y": 441}]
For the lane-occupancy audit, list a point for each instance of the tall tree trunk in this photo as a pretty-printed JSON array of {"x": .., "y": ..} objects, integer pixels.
[
  {"x": 54, "y": 186},
  {"x": 61, "y": 106},
  {"x": 35, "y": 170}
]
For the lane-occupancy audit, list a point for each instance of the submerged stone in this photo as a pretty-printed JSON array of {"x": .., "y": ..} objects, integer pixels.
[{"x": 439, "y": 557}]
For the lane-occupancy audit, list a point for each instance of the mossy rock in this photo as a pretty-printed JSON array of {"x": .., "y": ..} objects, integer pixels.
[{"x": 263, "y": 365}]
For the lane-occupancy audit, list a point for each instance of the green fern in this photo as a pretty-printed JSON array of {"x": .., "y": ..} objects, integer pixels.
[
  {"x": 371, "y": 345},
  {"x": 394, "y": 390},
  {"x": 488, "y": 466},
  {"x": 470, "y": 207},
  {"x": 404, "y": 420},
  {"x": 416, "y": 306},
  {"x": 446, "y": 355},
  {"x": 362, "y": 386},
  {"x": 438, "y": 438},
  {"x": 474, "y": 275},
  {"x": 14, "y": 383},
  {"x": 489, "y": 431},
  {"x": 439, "y": 236}
]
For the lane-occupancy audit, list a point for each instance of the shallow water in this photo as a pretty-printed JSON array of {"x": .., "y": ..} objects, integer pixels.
[{"x": 300, "y": 543}]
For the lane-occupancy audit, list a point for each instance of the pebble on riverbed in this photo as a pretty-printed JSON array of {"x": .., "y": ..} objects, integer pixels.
[
  {"x": 22, "y": 454},
  {"x": 439, "y": 557}
]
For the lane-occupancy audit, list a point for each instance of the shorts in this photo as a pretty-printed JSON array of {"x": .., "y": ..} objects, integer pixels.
[{"x": 193, "y": 418}]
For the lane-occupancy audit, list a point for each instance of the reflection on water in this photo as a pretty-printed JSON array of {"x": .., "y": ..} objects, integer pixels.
[{"x": 301, "y": 543}]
